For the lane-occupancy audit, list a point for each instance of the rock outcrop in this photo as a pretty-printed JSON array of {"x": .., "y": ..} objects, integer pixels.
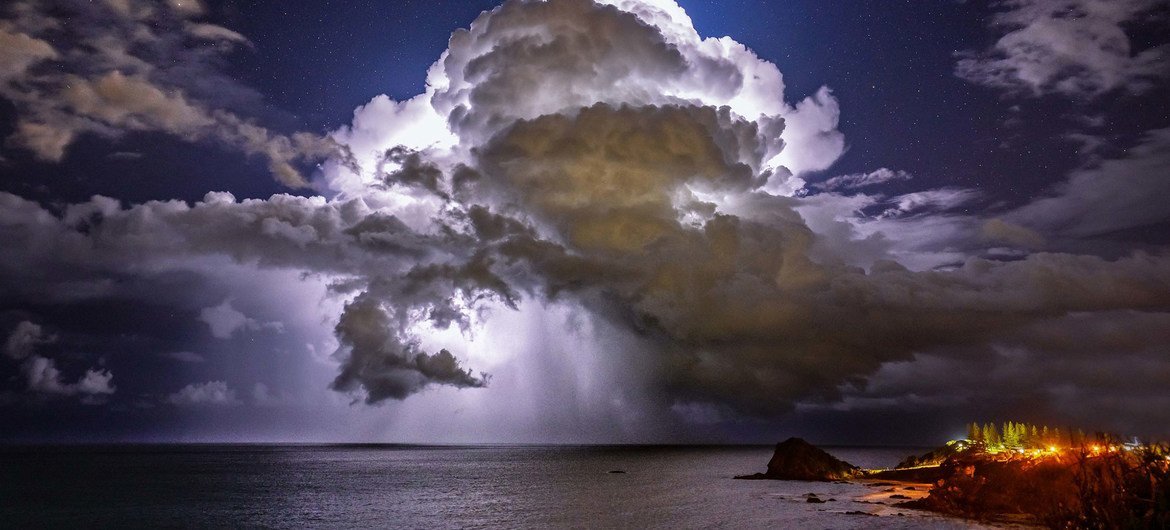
[{"x": 796, "y": 459}]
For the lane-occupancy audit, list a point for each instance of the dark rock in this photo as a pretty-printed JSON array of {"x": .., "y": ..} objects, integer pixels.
[
  {"x": 617, "y": 472},
  {"x": 858, "y": 512},
  {"x": 796, "y": 459},
  {"x": 899, "y": 496},
  {"x": 815, "y": 500}
]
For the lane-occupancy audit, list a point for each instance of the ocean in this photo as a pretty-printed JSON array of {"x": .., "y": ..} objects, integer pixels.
[{"x": 386, "y": 486}]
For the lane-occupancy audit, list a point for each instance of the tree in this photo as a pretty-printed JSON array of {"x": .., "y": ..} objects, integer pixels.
[
  {"x": 1011, "y": 435},
  {"x": 990, "y": 434},
  {"x": 973, "y": 433}
]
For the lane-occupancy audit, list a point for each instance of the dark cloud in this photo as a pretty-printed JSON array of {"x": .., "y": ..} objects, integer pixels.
[
  {"x": 1107, "y": 195},
  {"x": 384, "y": 362},
  {"x": 1052, "y": 371}
]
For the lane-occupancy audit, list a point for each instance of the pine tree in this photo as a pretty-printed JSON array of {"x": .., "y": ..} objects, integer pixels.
[
  {"x": 973, "y": 433},
  {"x": 990, "y": 435},
  {"x": 1011, "y": 436}
]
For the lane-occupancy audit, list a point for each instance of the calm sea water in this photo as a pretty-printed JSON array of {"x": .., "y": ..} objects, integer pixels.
[{"x": 426, "y": 487}]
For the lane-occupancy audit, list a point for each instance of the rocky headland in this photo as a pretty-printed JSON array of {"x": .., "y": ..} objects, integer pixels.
[
  {"x": 1092, "y": 486},
  {"x": 796, "y": 459}
]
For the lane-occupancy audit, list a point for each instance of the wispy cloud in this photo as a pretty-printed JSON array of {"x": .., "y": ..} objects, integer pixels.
[
  {"x": 855, "y": 181},
  {"x": 1077, "y": 49},
  {"x": 131, "y": 65}
]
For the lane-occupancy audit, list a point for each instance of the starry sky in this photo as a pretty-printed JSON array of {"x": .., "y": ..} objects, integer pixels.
[{"x": 855, "y": 221}]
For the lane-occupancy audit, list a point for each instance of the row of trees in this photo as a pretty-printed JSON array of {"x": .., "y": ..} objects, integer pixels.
[{"x": 1014, "y": 435}]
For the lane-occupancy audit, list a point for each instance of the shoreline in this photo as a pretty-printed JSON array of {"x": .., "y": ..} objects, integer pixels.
[
  {"x": 890, "y": 496},
  {"x": 1099, "y": 484}
]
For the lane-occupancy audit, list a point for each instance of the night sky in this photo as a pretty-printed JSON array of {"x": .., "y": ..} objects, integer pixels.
[{"x": 857, "y": 222}]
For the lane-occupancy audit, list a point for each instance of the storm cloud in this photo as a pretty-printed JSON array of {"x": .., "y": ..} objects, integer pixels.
[{"x": 605, "y": 160}]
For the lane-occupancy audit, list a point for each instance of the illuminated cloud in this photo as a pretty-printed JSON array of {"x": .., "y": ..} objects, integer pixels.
[
  {"x": 612, "y": 201},
  {"x": 126, "y": 67},
  {"x": 1077, "y": 49},
  {"x": 525, "y": 60},
  {"x": 937, "y": 200},
  {"x": 19, "y": 51},
  {"x": 856, "y": 181}
]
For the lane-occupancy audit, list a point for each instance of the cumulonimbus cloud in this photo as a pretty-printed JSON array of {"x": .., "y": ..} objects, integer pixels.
[{"x": 604, "y": 157}]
